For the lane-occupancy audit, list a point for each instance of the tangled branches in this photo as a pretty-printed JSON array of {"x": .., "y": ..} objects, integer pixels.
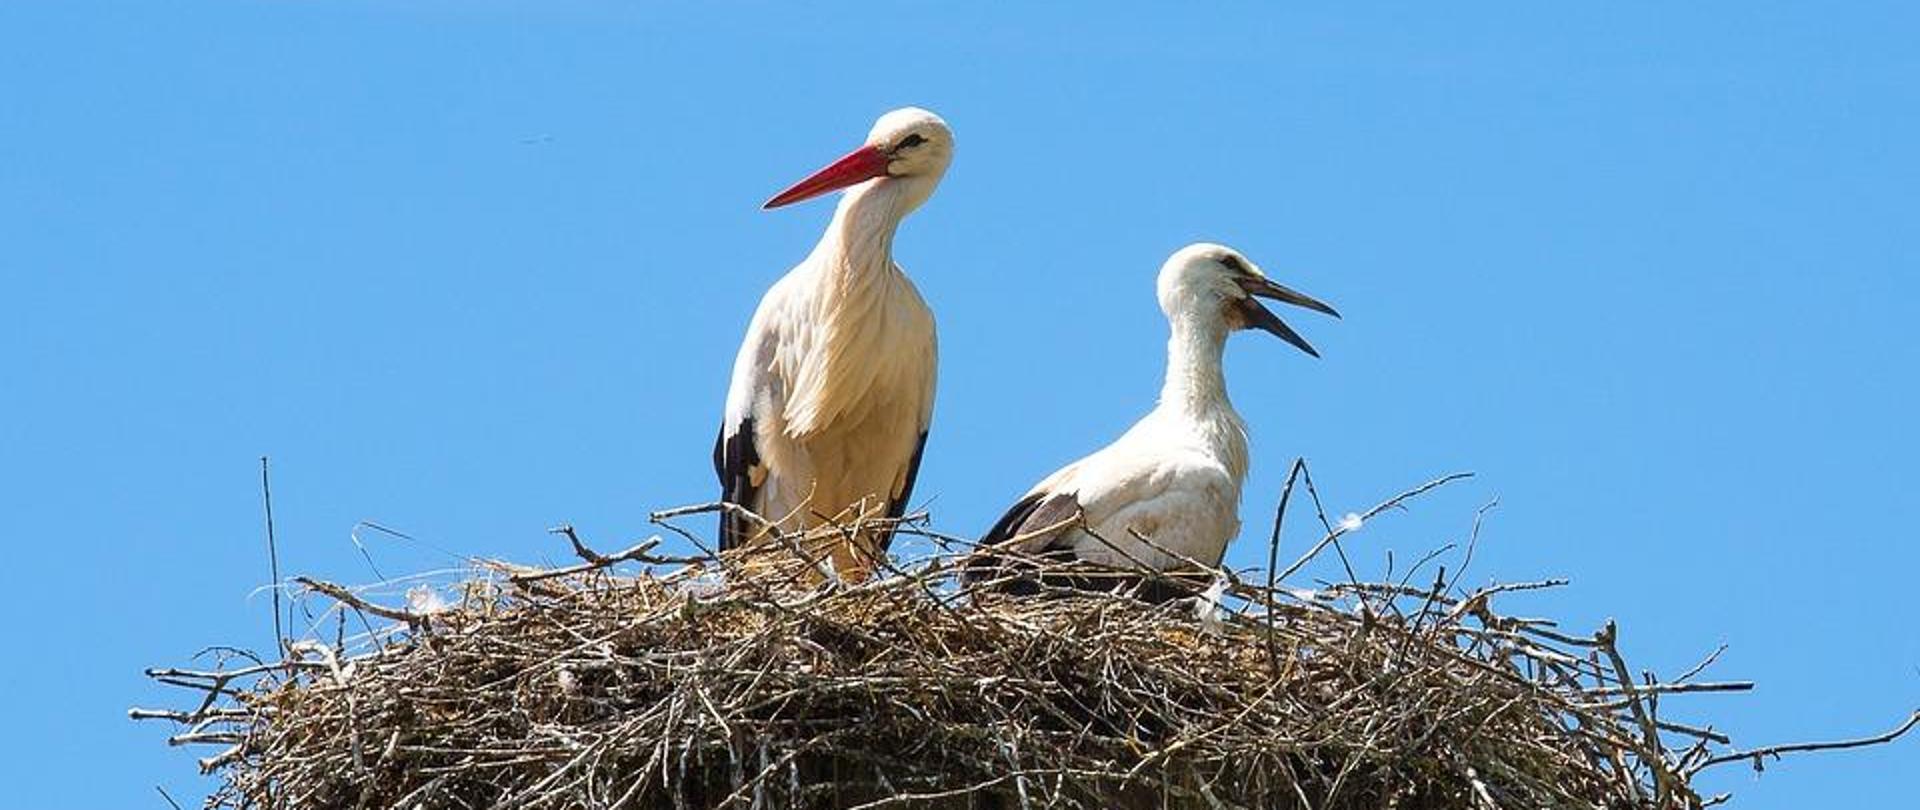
[{"x": 640, "y": 680}]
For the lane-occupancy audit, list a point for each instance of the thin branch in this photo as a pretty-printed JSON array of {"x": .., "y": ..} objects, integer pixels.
[
  {"x": 1383, "y": 506},
  {"x": 1758, "y": 755},
  {"x": 342, "y": 595},
  {"x": 273, "y": 558}
]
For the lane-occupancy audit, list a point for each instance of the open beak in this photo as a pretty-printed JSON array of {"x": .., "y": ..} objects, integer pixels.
[
  {"x": 858, "y": 166},
  {"x": 1259, "y": 317}
]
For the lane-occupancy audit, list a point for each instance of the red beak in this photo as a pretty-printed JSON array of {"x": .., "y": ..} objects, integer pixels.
[{"x": 858, "y": 166}]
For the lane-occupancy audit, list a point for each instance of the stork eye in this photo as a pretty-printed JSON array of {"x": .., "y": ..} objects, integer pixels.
[
  {"x": 910, "y": 141},
  {"x": 1236, "y": 265}
]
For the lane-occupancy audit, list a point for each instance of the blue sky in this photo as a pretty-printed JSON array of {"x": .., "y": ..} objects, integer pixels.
[{"x": 471, "y": 269}]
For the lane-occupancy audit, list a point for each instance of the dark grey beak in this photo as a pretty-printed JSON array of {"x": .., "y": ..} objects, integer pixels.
[{"x": 1259, "y": 317}]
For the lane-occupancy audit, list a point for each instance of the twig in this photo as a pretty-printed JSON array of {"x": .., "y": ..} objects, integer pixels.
[
  {"x": 1273, "y": 556},
  {"x": 639, "y": 552},
  {"x": 1654, "y": 758},
  {"x": 1473, "y": 540},
  {"x": 1672, "y": 688},
  {"x": 1704, "y": 663},
  {"x": 1381, "y": 507},
  {"x": 273, "y": 558},
  {"x": 344, "y": 596},
  {"x": 1757, "y": 755},
  {"x": 579, "y": 548}
]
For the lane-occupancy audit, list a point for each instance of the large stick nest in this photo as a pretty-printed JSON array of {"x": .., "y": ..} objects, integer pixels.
[{"x": 639, "y": 680}]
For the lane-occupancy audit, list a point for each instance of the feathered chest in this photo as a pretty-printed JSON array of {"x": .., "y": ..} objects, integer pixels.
[
  {"x": 1216, "y": 436},
  {"x": 863, "y": 347}
]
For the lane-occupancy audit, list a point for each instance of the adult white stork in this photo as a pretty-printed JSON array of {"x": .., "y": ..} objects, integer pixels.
[
  {"x": 832, "y": 390},
  {"x": 1174, "y": 478}
]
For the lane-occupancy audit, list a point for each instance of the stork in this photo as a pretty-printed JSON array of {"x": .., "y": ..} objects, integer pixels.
[
  {"x": 1167, "y": 491},
  {"x": 832, "y": 391}
]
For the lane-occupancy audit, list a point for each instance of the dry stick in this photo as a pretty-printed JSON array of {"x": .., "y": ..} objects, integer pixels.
[
  {"x": 908, "y": 798},
  {"x": 664, "y": 519},
  {"x": 1693, "y": 731},
  {"x": 1475, "y": 604},
  {"x": 1273, "y": 558},
  {"x": 736, "y": 573},
  {"x": 1320, "y": 511},
  {"x": 1702, "y": 666},
  {"x": 223, "y": 651},
  {"x": 1422, "y": 563},
  {"x": 1195, "y": 566},
  {"x": 347, "y": 597},
  {"x": 1382, "y": 507},
  {"x": 332, "y": 660},
  {"x": 772, "y": 527},
  {"x": 639, "y": 552},
  {"x": 163, "y": 795},
  {"x": 215, "y": 686},
  {"x": 1419, "y": 617},
  {"x": 580, "y": 549},
  {"x": 1656, "y": 758},
  {"x": 1635, "y": 689},
  {"x": 1473, "y": 541},
  {"x": 1758, "y": 754},
  {"x": 273, "y": 558}
]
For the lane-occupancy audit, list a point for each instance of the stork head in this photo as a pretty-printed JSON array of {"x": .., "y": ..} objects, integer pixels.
[
  {"x": 1215, "y": 283},
  {"x": 910, "y": 145}
]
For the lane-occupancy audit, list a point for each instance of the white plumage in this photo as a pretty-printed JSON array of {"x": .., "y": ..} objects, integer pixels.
[
  {"x": 1175, "y": 477},
  {"x": 832, "y": 390}
]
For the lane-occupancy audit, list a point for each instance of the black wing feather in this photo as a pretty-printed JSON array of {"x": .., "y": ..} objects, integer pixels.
[
  {"x": 1009, "y": 524},
  {"x": 899, "y": 505},
  {"x": 1037, "y": 510},
  {"x": 1019, "y": 577},
  {"x": 734, "y": 458}
]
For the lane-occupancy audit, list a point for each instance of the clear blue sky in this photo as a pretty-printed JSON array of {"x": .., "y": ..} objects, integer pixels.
[{"x": 471, "y": 269}]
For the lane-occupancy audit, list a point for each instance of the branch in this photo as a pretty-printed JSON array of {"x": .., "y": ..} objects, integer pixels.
[
  {"x": 1759, "y": 754},
  {"x": 1382, "y": 507},
  {"x": 346, "y": 597}
]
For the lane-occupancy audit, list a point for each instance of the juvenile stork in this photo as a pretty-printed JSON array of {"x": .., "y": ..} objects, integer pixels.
[
  {"x": 1168, "y": 490},
  {"x": 832, "y": 390}
]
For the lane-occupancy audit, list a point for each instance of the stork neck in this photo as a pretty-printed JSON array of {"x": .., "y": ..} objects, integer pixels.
[
  {"x": 1195, "y": 382},
  {"x": 859, "y": 241}
]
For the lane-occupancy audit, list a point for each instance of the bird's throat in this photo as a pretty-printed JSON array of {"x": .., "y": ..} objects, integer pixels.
[
  {"x": 859, "y": 241},
  {"x": 1196, "y": 381}
]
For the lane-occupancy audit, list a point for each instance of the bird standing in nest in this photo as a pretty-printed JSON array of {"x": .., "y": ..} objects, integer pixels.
[
  {"x": 1166, "y": 494},
  {"x": 832, "y": 391}
]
